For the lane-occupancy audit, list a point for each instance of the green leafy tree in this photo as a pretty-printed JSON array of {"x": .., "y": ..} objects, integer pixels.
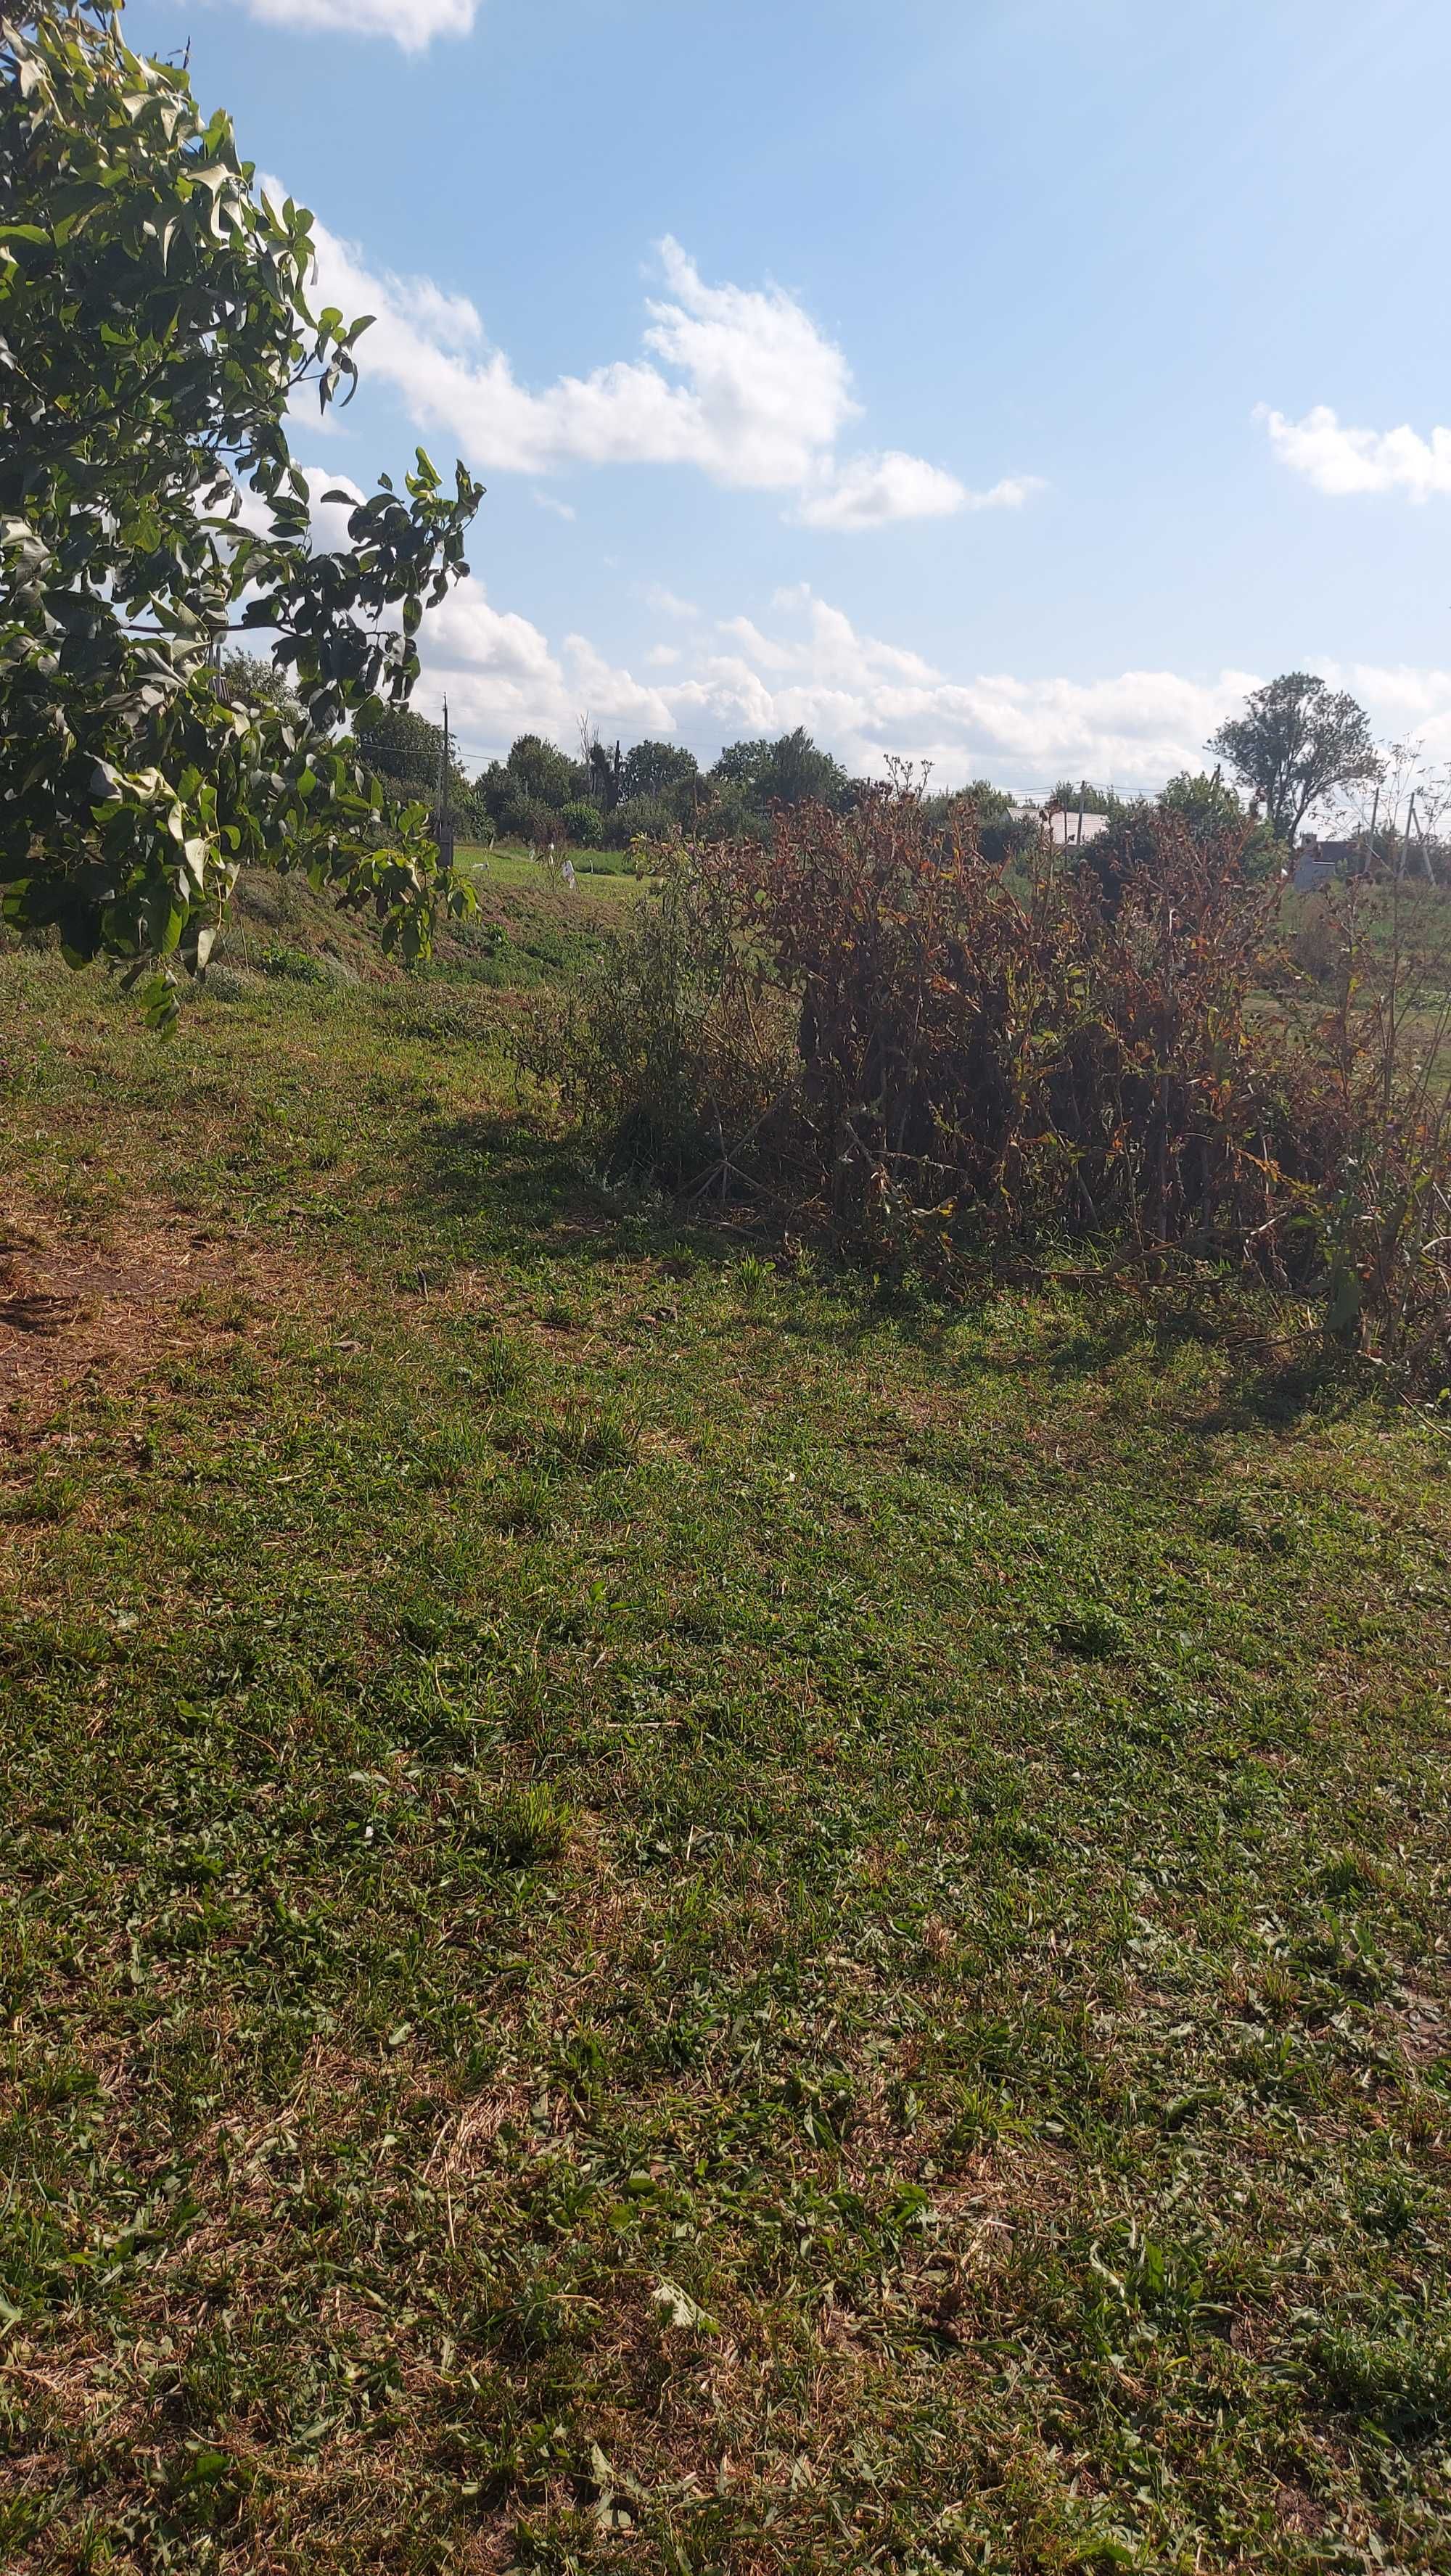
[
  {"x": 645, "y": 818},
  {"x": 789, "y": 771},
  {"x": 1070, "y": 798},
  {"x": 988, "y": 811},
  {"x": 401, "y": 747},
  {"x": 1209, "y": 806},
  {"x": 979, "y": 802},
  {"x": 154, "y": 330},
  {"x": 605, "y": 769},
  {"x": 740, "y": 764},
  {"x": 536, "y": 781},
  {"x": 1206, "y": 803},
  {"x": 582, "y": 824},
  {"x": 496, "y": 795},
  {"x": 990, "y": 804},
  {"x": 404, "y": 751},
  {"x": 1296, "y": 743},
  {"x": 658, "y": 769},
  {"x": 253, "y": 680},
  {"x": 545, "y": 772}
]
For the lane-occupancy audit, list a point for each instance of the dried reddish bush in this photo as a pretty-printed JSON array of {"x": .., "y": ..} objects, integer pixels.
[{"x": 865, "y": 1022}]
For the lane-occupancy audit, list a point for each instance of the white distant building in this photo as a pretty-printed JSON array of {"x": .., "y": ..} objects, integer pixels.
[
  {"x": 1318, "y": 863},
  {"x": 1067, "y": 830},
  {"x": 1064, "y": 826},
  {"x": 1312, "y": 871}
]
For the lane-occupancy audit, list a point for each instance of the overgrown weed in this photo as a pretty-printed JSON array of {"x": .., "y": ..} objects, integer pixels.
[{"x": 1126, "y": 1063}]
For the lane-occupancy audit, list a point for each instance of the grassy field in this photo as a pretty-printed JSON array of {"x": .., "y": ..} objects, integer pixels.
[
  {"x": 659, "y": 1913},
  {"x": 511, "y": 864}
]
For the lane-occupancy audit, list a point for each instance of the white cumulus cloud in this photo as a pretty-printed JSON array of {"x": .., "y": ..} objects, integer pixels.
[
  {"x": 803, "y": 662},
  {"x": 1338, "y": 459},
  {"x": 867, "y": 491},
  {"x": 413, "y": 24},
  {"x": 865, "y": 699},
  {"x": 869, "y": 700},
  {"x": 668, "y": 603},
  {"x": 738, "y": 382}
]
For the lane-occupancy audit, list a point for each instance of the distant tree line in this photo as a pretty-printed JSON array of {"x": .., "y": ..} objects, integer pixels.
[
  {"x": 1297, "y": 748},
  {"x": 605, "y": 798},
  {"x": 610, "y": 796}
]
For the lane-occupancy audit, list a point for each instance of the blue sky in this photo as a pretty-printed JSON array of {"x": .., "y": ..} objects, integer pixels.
[{"x": 1027, "y": 377}]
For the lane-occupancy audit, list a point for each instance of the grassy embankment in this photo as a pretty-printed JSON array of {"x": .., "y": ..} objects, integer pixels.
[{"x": 655, "y": 1915}]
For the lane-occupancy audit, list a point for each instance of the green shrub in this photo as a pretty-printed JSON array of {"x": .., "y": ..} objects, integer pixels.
[
  {"x": 582, "y": 824},
  {"x": 649, "y": 1046},
  {"x": 644, "y": 818},
  {"x": 290, "y": 965},
  {"x": 1094, "y": 1634}
]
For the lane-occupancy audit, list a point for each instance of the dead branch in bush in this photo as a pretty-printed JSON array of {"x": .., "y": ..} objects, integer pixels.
[{"x": 729, "y": 1162}]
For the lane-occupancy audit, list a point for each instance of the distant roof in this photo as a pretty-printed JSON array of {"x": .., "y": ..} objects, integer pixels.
[{"x": 1068, "y": 828}]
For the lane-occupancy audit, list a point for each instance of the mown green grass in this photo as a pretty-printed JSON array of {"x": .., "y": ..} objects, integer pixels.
[
  {"x": 659, "y": 1912},
  {"x": 511, "y": 864}
]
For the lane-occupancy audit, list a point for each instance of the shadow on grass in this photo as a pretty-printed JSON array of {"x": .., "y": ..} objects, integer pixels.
[
  {"x": 1283, "y": 1394},
  {"x": 521, "y": 1189},
  {"x": 489, "y": 1184},
  {"x": 510, "y": 1188},
  {"x": 491, "y": 1167},
  {"x": 1256, "y": 1392}
]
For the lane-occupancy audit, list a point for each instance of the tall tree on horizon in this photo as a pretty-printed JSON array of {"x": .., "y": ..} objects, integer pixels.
[{"x": 1296, "y": 742}]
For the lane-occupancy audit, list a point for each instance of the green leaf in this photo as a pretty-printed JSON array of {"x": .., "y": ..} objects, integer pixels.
[{"x": 680, "y": 2309}]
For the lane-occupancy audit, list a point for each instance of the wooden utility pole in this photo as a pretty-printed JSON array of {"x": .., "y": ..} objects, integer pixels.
[
  {"x": 443, "y": 811},
  {"x": 1427, "y": 870},
  {"x": 1370, "y": 845}
]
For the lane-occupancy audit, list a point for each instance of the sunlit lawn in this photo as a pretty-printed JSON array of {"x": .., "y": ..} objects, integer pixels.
[{"x": 659, "y": 1914}]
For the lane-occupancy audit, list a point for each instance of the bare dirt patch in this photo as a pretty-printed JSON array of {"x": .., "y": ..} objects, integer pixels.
[{"x": 73, "y": 1310}]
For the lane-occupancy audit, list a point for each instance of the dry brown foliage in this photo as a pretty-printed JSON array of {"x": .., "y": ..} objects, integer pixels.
[{"x": 866, "y": 1023}]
